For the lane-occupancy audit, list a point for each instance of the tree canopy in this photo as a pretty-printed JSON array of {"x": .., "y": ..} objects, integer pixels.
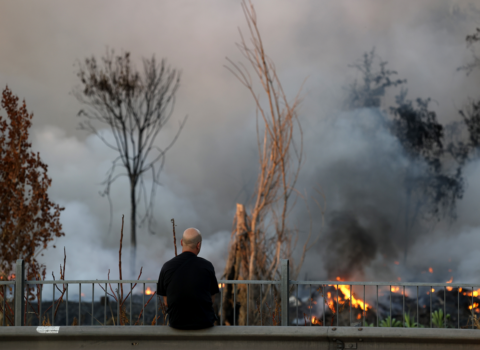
[{"x": 28, "y": 218}]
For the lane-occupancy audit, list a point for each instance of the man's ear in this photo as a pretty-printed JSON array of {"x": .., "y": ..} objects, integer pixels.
[
  {"x": 181, "y": 242},
  {"x": 198, "y": 245}
]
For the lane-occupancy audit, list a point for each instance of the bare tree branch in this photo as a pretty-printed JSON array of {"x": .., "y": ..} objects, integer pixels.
[{"x": 135, "y": 107}]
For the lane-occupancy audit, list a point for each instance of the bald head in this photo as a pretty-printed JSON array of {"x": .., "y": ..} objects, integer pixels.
[{"x": 191, "y": 240}]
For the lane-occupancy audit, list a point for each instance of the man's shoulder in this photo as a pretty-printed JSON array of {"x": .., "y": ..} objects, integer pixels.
[
  {"x": 204, "y": 262},
  {"x": 171, "y": 263}
]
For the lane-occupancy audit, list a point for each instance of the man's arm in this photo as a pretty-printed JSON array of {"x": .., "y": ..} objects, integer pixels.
[
  {"x": 160, "y": 287},
  {"x": 214, "y": 290}
]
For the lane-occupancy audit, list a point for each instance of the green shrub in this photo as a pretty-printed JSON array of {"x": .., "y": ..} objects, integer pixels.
[
  {"x": 437, "y": 318},
  {"x": 390, "y": 322}
]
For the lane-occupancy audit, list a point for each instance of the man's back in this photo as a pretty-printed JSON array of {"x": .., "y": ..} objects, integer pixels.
[{"x": 189, "y": 283}]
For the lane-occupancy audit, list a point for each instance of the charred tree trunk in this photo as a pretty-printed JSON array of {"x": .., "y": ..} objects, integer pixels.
[
  {"x": 237, "y": 269},
  {"x": 133, "y": 227}
]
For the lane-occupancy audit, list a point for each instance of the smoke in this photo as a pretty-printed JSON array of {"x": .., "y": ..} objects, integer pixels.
[
  {"x": 363, "y": 165},
  {"x": 350, "y": 241},
  {"x": 351, "y": 157},
  {"x": 91, "y": 248},
  {"x": 364, "y": 235}
]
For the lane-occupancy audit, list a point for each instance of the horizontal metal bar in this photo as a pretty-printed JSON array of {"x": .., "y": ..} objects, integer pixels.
[
  {"x": 143, "y": 281},
  {"x": 331, "y": 283},
  {"x": 7, "y": 283},
  {"x": 248, "y": 282},
  {"x": 92, "y": 281},
  {"x": 406, "y": 284}
]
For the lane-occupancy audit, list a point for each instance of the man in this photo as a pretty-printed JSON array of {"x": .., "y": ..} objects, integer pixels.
[{"x": 188, "y": 286}]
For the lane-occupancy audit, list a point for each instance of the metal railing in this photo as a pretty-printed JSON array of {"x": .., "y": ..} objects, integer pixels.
[{"x": 336, "y": 301}]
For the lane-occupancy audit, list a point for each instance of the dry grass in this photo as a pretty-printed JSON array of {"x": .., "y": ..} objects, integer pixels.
[{"x": 118, "y": 295}]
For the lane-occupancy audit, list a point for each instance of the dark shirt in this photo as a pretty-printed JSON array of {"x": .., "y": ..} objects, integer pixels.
[{"x": 188, "y": 282}]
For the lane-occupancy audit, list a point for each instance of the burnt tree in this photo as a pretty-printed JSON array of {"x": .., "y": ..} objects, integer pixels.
[
  {"x": 134, "y": 106},
  {"x": 263, "y": 235},
  {"x": 433, "y": 181},
  {"x": 471, "y": 112}
]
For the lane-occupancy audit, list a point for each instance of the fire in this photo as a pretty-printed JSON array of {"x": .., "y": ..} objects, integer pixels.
[
  {"x": 460, "y": 289},
  {"x": 475, "y": 293},
  {"x": 221, "y": 285},
  {"x": 430, "y": 270},
  {"x": 449, "y": 289},
  {"x": 433, "y": 290},
  {"x": 316, "y": 321},
  {"x": 396, "y": 289},
  {"x": 148, "y": 291},
  {"x": 355, "y": 302},
  {"x": 450, "y": 280},
  {"x": 359, "y": 316},
  {"x": 475, "y": 305}
]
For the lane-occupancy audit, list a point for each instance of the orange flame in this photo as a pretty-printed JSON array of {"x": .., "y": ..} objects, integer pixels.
[
  {"x": 221, "y": 285},
  {"x": 450, "y": 280},
  {"x": 148, "y": 291},
  {"x": 355, "y": 302},
  {"x": 430, "y": 270},
  {"x": 475, "y": 305},
  {"x": 475, "y": 293}
]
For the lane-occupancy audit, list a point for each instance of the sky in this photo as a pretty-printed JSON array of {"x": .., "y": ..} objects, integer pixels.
[{"x": 214, "y": 163}]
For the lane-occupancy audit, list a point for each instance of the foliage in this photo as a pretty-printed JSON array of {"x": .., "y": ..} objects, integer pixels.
[
  {"x": 433, "y": 180},
  {"x": 370, "y": 92},
  {"x": 471, "y": 116},
  {"x": 438, "y": 318},
  {"x": 410, "y": 321},
  {"x": 471, "y": 40},
  {"x": 422, "y": 137},
  {"x": 387, "y": 322},
  {"x": 29, "y": 220},
  {"x": 390, "y": 322},
  {"x": 471, "y": 112}
]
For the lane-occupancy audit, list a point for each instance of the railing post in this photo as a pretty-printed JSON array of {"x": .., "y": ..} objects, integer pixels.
[
  {"x": 285, "y": 287},
  {"x": 19, "y": 292}
]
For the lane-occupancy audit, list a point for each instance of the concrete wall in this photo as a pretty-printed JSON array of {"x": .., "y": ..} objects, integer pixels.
[{"x": 232, "y": 338}]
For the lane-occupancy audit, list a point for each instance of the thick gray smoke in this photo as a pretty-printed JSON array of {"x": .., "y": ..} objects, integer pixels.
[
  {"x": 352, "y": 157},
  {"x": 364, "y": 165}
]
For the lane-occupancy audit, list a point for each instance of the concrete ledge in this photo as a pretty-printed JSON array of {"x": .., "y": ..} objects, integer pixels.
[{"x": 276, "y": 338}]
